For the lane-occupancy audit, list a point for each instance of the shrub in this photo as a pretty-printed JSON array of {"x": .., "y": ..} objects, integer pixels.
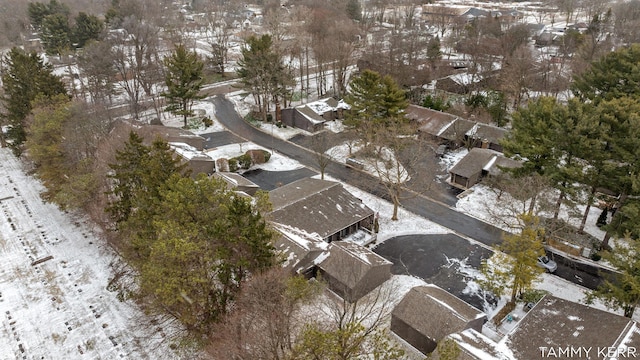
[
  {"x": 436, "y": 103},
  {"x": 532, "y": 295},
  {"x": 207, "y": 121},
  {"x": 244, "y": 161},
  {"x": 233, "y": 165}
]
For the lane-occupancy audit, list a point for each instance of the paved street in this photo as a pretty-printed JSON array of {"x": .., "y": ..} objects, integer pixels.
[
  {"x": 419, "y": 204},
  {"x": 438, "y": 212}
]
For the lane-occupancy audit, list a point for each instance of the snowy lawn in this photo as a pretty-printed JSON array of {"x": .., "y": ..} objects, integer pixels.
[
  {"x": 60, "y": 308},
  {"x": 203, "y": 108},
  {"x": 277, "y": 162}
]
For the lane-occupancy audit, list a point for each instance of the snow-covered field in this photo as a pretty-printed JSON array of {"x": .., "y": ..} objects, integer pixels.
[{"x": 60, "y": 308}]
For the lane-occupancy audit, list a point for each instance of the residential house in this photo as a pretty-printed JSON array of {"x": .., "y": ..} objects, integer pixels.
[
  {"x": 303, "y": 117},
  {"x": 473, "y": 345},
  {"x": 173, "y": 135},
  {"x": 557, "y": 323},
  {"x": 185, "y": 144},
  {"x": 487, "y": 136},
  {"x": 321, "y": 207},
  {"x": 477, "y": 164},
  {"x": 312, "y": 116},
  {"x": 427, "y": 314},
  {"x": 552, "y": 327},
  {"x": 352, "y": 271},
  {"x": 454, "y": 130},
  {"x": 301, "y": 251},
  {"x": 431, "y": 122}
]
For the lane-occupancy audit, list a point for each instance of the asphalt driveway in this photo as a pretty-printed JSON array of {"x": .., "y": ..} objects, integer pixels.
[
  {"x": 269, "y": 180},
  {"x": 212, "y": 140},
  {"x": 446, "y": 260}
]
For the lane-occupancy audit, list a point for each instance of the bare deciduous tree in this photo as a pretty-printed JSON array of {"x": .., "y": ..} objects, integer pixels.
[{"x": 266, "y": 318}]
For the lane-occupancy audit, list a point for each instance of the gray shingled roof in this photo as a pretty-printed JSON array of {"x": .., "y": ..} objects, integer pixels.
[
  {"x": 310, "y": 114},
  {"x": 473, "y": 162},
  {"x": 349, "y": 263},
  {"x": 434, "y": 312},
  {"x": 236, "y": 179},
  {"x": 298, "y": 248},
  {"x": 475, "y": 346},
  {"x": 457, "y": 129},
  {"x": 554, "y": 322},
  {"x": 491, "y": 133},
  {"x": 430, "y": 121},
  {"x": 316, "y": 206}
]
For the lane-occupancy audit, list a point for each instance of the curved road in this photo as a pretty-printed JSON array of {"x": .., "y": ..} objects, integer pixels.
[
  {"x": 437, "y": 212},
  {"x": 419, "y": 204}
]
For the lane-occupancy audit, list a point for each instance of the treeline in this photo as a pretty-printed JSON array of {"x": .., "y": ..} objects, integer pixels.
[
  {"x": 60, "y": 32},
  {"x": 589, "y": 144}
]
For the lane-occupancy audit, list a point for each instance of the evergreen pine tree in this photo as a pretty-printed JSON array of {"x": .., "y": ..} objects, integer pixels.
[
  {"x": 376, "y": 103},
  {"x": 87, "y": 27},
  {"x": 184, "y": 80},
  {"x": 56, "y": 34},
  {"x": 354, "y": 10},
  {"x": 25, "y": 76}
]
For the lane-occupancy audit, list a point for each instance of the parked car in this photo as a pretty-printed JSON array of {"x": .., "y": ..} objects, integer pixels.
[{"x": 547, "y": 264}]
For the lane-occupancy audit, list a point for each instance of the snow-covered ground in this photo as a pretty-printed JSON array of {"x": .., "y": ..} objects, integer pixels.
[{"x": 60, "y": 308}]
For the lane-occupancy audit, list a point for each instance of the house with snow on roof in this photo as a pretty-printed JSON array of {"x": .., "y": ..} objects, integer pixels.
[
  {"x": 352, "y": 271},
  {"x": 312, "y": 116},
  {"x": 427, "y": 314},
  {"x": 555, "y": 328},
  {"x": 479, "y": 163},
  {"x": 453, "y": 130},
  {"x": 237, "y": 182},
  {"x": 321, "y": 207},
  {"x": 300, "y": 251},
  {"x": 197, "y": 161}
]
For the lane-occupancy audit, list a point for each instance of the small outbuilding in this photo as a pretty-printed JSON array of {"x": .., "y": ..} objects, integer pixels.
[{"x": 427, "y": 314}]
